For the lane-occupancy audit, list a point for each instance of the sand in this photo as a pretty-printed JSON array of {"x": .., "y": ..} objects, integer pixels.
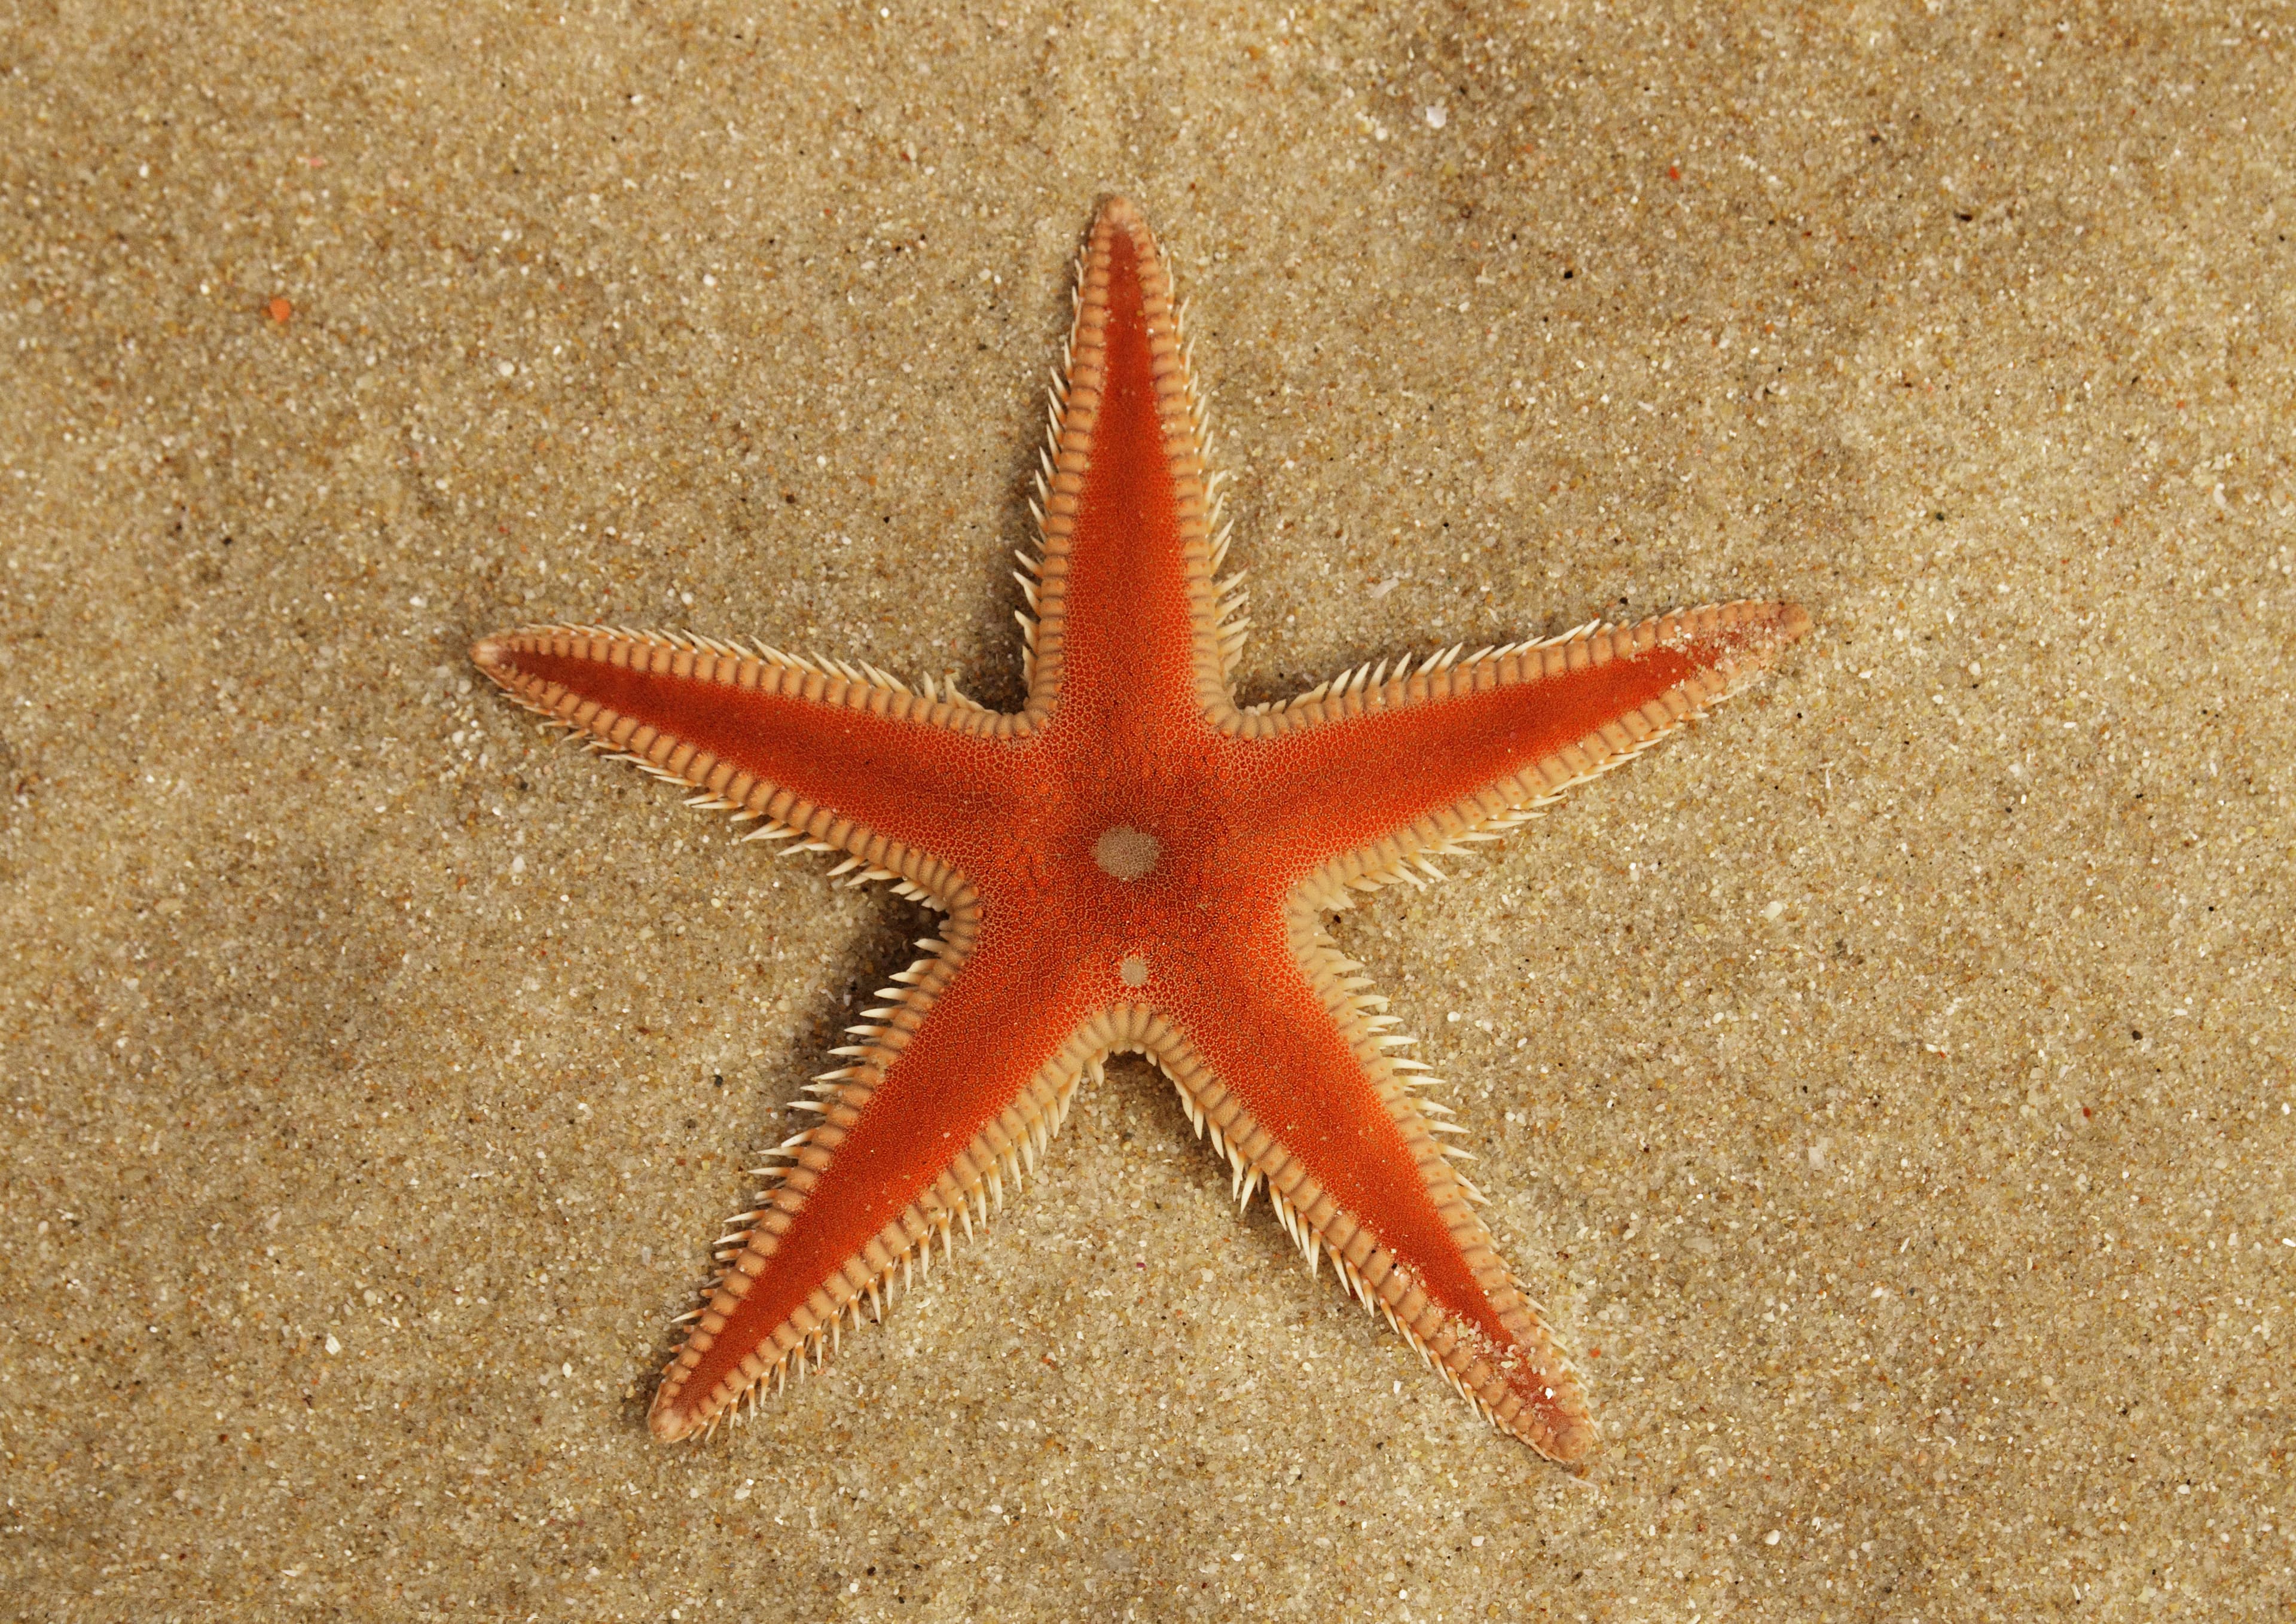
[{"x": 1886, "y": 1088}]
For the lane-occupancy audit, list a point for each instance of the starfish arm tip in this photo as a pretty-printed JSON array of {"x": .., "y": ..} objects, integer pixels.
[
  {"x": 1572, "y": 1443},
  {"x": 668, "y": 1421}
]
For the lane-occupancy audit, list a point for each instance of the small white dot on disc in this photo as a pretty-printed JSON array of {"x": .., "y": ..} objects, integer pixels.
[{"x": 1133, "y": 970}]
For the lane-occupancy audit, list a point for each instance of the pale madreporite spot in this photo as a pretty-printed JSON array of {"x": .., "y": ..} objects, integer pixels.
[{"x": 1126, "y": 853}]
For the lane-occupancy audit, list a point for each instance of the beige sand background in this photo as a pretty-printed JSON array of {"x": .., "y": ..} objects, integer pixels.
[{"x": 1887, "y": 1088}]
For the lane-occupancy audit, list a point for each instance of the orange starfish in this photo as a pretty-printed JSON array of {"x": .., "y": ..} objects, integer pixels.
[{"x": 1131, "y": 862}]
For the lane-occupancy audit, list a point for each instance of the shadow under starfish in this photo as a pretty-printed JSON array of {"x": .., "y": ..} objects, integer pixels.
[{"x": 1130, "y": 863}]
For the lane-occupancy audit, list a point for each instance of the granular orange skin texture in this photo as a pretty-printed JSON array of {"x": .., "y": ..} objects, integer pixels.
[{"x": 1130, "y": 862}]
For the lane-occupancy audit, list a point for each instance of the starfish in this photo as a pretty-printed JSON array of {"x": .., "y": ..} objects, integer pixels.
[{"x": 1130, "y": 863}]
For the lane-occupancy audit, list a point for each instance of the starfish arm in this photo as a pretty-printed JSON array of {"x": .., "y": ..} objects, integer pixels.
[
  {"x": 1289, "y": 1073},
  {"x": 834, "y": 757},
  {"x": 1365, "y": 776},
  {"x": 1130, "y": 625},
  {"x": 962, "y": 1086}
]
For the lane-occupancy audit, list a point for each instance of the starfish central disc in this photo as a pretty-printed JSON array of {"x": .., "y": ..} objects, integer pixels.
[{"x": 1127, "y": 853}]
